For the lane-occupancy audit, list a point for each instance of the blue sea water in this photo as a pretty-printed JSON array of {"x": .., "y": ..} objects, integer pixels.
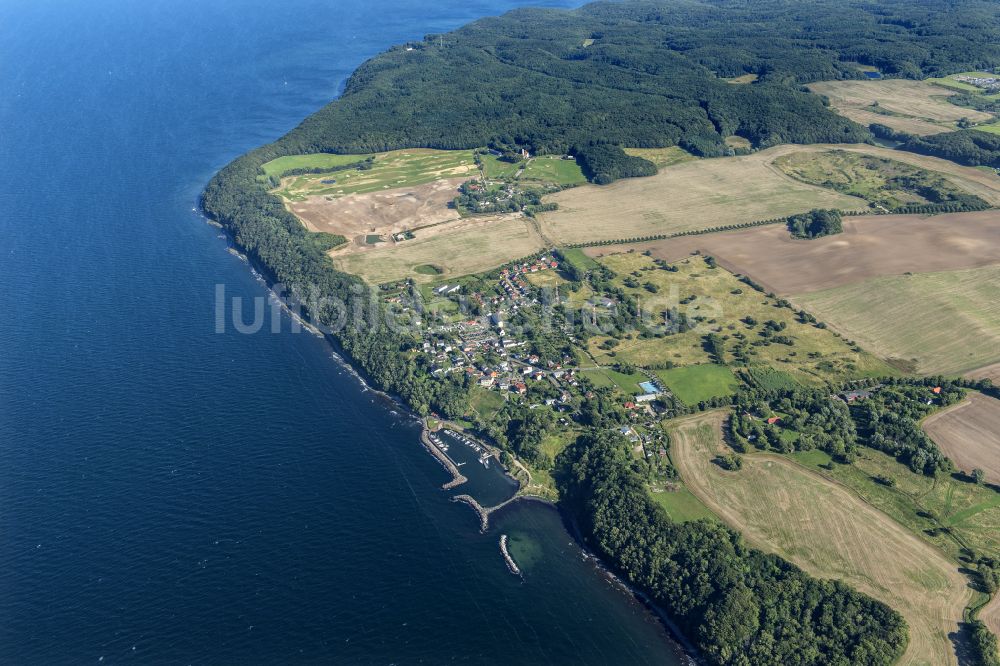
[{"x": 173, "y": 495}]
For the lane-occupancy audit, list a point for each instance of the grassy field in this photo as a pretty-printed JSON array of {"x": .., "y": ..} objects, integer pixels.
[
  {"x": 555, "y": 170},
  {"x": 484, "y": 402},
  {"x": 723, "y": 303},
  {"x": 969, "y": 434},
  {"x": 828, "y": 531},
  {"x": 662, "y": 157},
  {"x": 992, "y": 128},
  {"x": 919, "y": 503},
  {"x": 946, "y": 322},
  {"x": 278, "y": 167},
  {"x": 695, "y": 383},
  {"x": 696, "y": 194},
  {"x": 577, "y": 257},
  {"x": 917, "y": 107},
  {"x": 770, "y": 379},
  {"x": 495, "y": 168},
  {"x": 881, "y": 181},
  {"x": 680, "y": 504},
  {"x": 460, "y": 248},
  {"x": 628, "y": 383},
  {"x": 399, "y": 168}
]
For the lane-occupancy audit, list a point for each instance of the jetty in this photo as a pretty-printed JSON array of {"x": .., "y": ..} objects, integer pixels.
[
  {"x": 485, "y": 511},
  {"x": 511, "y": 564},
  {"x": 457, "y": 478}
]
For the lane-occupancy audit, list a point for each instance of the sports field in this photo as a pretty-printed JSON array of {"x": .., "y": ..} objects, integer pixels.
[
  {"x": 695, "y": 383},
  {"x": 969, "y": 434},
  {"x": 929, "y": 323},
  {"x": 467, "y": 246},
  {"x": 828, "y": 531},
  {"x": 916, "y": 107}
]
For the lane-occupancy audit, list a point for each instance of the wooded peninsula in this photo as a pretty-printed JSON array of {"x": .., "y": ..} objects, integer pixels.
[{"x": 593, "y": 84}]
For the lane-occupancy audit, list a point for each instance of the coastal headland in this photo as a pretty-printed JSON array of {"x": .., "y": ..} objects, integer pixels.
[{"x": 509, "y": 280}]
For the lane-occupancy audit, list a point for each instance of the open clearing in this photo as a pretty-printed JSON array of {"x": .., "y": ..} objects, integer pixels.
[
  {"x": 929, "y": 323},
  {"x": 690, "y": 195},
  {"x": 917, "y": 107},
  {"x": 713, "y": 300},
  {"x": 282, "y": 165},
  {"x": 467, "y": 246},
  {"x": 885, "y": 183},
  {"x": 700, "y": 194},
  {"x": 992, "y": 128},
  {"x": 662, "y": 157},
  {"x": 828, "y": 531},
  {"x": 969, "y": 434},
  {"x": 870, "y": 246},
  {"x": 399, "y": 168},
  {"x": 380, "y": 213}
]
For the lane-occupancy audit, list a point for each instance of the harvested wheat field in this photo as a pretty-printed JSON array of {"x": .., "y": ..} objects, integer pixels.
[
  {"x": 707, "y": 193},
  {"x": 469, "y": 245},
  {"x": 870, "y": 246},
  {"x": 916, "y": 107},
  {"x": 691, "y": 195},
  {"x": 991, "y": 372},
  {"x": 969, "y": 434},
  {"x": 817, "y": 524},
  {"x": 926, "y": 323}
]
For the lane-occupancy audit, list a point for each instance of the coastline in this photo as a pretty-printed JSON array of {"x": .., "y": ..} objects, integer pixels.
[{"x": 684, "y": 650}]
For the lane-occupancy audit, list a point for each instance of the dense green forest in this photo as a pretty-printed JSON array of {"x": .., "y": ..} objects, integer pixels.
[
  {"x": 737, "y": 604},
  {"x": 970, "y": 147},
  {"x": 645, "y": 74},
  {"x": 638, "y": 74}
]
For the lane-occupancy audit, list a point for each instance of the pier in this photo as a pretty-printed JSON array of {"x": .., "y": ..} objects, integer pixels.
[
  {"x": 457, "y": 478},
  {"x": 485, "y": 511}
]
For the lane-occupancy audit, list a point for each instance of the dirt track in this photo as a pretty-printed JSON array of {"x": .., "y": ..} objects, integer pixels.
[{"x": 870, "y": 246}]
